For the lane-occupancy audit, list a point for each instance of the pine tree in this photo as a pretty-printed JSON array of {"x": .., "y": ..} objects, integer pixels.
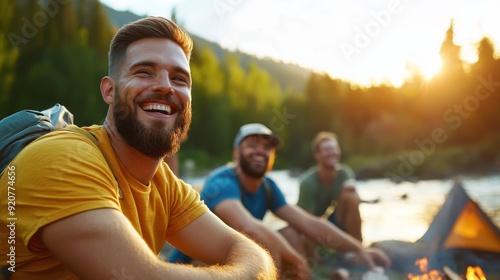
[
  {"x": 450, "y": 53},
  {"x": 99, "y": 31},
  {"x": 8, "y": 54}
]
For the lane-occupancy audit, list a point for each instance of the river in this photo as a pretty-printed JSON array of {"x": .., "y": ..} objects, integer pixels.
[{"x": 405, "y": 210}]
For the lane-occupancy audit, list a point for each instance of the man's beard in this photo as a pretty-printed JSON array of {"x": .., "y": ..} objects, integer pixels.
[
  {"x": 247, "y": 168},
  {"x": 155, "y": 141},
  {"x": 329, "y": 165}
]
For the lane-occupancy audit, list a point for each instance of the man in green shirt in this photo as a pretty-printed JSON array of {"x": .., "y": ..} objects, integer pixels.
[{"x": 330, "y": 183}]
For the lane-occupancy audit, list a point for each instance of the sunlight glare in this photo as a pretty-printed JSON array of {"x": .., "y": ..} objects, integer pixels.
[{"x": 430, "y": 67}]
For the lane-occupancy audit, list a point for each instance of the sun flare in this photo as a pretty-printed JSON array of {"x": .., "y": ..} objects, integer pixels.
[{"x": 430, "y": 67}]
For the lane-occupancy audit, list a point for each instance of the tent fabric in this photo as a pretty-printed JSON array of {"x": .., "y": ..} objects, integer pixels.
[
  {"x": 461, "y": 224},
  {"x": 461, "y": 233}
]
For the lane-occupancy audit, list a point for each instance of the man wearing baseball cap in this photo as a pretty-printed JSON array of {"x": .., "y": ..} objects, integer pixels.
[{"x": 241, "y": 194}]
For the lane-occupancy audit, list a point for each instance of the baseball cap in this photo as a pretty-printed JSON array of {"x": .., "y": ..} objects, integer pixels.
[{"x": 255, "y": 129}]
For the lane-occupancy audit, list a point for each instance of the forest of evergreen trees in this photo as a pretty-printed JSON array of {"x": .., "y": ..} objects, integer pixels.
[{"x": 56, "y": 52}]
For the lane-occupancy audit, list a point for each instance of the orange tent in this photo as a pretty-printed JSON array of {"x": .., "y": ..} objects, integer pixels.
[
  {"x": 461, "y": 224},
  {"x": 460, "y": 233}
]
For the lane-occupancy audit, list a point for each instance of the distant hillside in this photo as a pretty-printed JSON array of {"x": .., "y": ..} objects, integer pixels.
[
  {"x": 289, "y": 76},
  {"x": 119, "y": 18}
]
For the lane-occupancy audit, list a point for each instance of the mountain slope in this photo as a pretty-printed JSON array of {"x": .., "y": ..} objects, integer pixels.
[{"x": 289, "y": 76}]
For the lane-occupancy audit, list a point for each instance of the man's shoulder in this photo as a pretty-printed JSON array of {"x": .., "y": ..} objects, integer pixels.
[
  {"x": 59, "y": 150},
  {"x": 225, "y": 171},
  {"x": 57, "y": 141},
  {"x": 345, "y": 169},
  {"x": 222, "y": 176},
  {"x": 220, "y": 184},
  {"x": 70, "y": 135},
  {"x": 270, "y": 184},
  {"x": 309, "y": 173}
]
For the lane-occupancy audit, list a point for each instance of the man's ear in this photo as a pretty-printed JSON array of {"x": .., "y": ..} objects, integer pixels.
[
  {"x": 108, "y": 89},
  {"x": 270, "y": 163},
  {"x": 236, "y": 154}
]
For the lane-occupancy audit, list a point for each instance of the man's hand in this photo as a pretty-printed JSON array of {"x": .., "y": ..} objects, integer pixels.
[
  {"x": 373, "y": 256},
  {"x": 379, "y": 256}
]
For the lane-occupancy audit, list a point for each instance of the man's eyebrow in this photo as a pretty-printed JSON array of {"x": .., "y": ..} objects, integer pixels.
[
  {"x": 147, "y": 63},
  {"x": 182, "y": 70}
]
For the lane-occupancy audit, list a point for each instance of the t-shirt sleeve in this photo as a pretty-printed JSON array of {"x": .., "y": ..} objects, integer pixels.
[
  {"x": 219, "y": 187},
  {"x": 347, "y": 173},
  {"x": 58, "y": 177},
  {"x": 185, "y": 205},
  {"x": 278, "y": 200}
]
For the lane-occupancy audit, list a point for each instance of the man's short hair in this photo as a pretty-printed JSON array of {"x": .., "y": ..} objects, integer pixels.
[
  {"x": 320, "y": 137},
  {"x": 149, "y": 27}
]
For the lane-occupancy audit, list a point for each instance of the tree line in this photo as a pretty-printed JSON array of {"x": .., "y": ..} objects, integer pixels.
[{"x": 56, "y": 52}]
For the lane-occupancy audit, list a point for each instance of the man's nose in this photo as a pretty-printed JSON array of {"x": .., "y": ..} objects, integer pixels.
[
  {"x": 262, "y": 148},
  {"x": 163, "y": 84}
]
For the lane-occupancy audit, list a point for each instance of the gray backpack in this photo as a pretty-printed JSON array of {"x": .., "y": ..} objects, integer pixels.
[{"x": 21, "y": 128}]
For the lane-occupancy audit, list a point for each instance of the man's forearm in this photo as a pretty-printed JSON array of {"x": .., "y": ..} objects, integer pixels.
[
  {"x": 274, "y": 242},
  {"x": 326, "y": 235},
  {"x": 247, "y": 260},
  {"x": 244, "y": 259}
]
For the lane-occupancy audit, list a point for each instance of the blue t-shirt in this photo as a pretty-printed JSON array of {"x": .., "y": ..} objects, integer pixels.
[{"x": 223, "y": 184}]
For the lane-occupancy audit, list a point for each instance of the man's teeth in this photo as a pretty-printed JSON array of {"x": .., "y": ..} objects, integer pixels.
[
  {"x": 259, "y": 158},
  {"x": 158, "y": 107}
]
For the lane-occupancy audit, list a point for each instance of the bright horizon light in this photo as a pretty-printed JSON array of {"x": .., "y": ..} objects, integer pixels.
[{"x": 367, "y": 42}]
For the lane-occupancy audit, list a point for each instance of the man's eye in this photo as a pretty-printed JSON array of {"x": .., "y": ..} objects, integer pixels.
[
  {"x": 180, "y": 79},
  {"x": 143, "y": 72}
]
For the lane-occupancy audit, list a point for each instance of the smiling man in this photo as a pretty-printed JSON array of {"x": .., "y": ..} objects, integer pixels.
[
  {"x": 242, "y": 194},
  {"x": 88, "y": 212},
  {"x": 330, "y": 183}
]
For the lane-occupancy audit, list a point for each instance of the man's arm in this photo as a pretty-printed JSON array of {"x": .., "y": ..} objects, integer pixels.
[
  {"x": 102, "y": 244},
  {"x": 327, "y": 234},
  {"x": 233, "y": 213}
]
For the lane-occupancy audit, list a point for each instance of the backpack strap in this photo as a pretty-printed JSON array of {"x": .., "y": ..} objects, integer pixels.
[
  {"x": 4, "y": 272},
  {"x": 269, "y": 193}
]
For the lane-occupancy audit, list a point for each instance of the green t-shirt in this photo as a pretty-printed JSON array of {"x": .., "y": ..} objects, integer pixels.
[{"x": 317, "y": 198}]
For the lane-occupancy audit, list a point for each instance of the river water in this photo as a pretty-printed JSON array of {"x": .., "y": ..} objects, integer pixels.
[{"x": 404, "y": 210}]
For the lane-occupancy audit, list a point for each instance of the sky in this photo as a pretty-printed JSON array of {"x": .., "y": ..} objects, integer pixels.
[{"x": 363, "y": 41}]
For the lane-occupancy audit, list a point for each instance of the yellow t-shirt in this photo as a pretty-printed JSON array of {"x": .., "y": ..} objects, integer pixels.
[{"x": 63, "y": 173}]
